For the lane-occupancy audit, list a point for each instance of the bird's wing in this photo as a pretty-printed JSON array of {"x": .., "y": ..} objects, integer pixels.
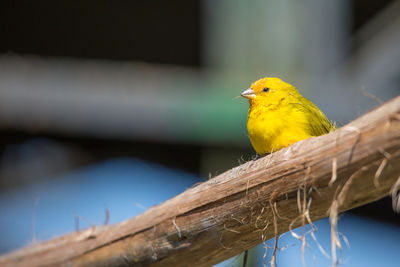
[{"x": 317, "y": 123}]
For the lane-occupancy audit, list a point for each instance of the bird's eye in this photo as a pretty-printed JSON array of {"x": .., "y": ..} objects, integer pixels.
[{"x": 266, "y": 89}]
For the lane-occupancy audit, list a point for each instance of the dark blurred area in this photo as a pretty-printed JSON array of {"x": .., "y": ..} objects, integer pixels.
[
  {"x": 149, "y": 31},
  {"x": 140, "y": 92}
]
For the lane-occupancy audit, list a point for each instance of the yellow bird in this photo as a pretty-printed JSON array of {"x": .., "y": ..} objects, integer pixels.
[{"x": 279, "y": 116}]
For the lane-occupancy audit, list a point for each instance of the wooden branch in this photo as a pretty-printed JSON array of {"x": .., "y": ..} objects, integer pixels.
[{"x": 235, "y": 210}]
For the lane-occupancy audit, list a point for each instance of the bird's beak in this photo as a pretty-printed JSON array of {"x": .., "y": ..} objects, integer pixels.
[{"x": 249, "y": 94}]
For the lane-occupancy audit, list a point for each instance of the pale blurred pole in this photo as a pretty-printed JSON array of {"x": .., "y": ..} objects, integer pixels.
[{"x": 250, "y": 39}]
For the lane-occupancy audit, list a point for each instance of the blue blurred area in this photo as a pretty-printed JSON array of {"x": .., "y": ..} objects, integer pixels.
[
  {"x": 125, "y": 186},
  {"x": 371, "y": 243}
]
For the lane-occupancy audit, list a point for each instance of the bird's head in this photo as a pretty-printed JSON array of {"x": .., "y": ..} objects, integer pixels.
[{"x": 269, "y": 91}]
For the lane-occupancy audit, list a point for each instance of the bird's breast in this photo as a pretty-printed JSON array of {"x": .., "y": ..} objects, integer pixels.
[
  {"x": 272, "y": 130},
  {"x": 263, "y": 128}
]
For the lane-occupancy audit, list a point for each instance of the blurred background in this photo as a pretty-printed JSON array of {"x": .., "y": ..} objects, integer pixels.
[{"x": 110, "y": 107}]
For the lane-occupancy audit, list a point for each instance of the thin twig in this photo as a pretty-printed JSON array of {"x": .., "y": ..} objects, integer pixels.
[
  {"x": 245, "y": 258},
  {"x": 275, "y": 233}
]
